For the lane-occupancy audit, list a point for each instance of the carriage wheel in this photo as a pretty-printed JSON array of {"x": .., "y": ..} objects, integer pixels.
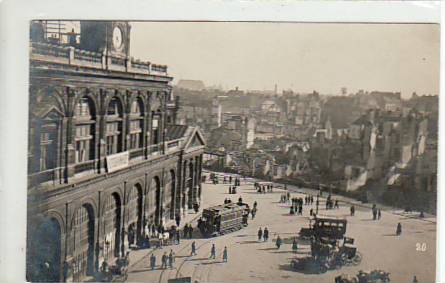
[
  {"x": 357, "y": 259},
  {"x": 323, "y": 268}
]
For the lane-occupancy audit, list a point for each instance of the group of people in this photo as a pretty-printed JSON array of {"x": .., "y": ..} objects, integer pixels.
[
  {"x": 188, "y": 231},
  {"x": 330, "y": 203},
  {"x": 285, "y": 197},
  {"x": 236, "y": 180},
  {"x": 213, "y": 253},
  {"x": 166, "y": 260},
  {"x": 232, "y": 190},
  {"x": 263, "y": 235},
  {"x": 376, "y": 213},
  {"x": 262, "y": 189},
  {"x": 297, "y": 206}
]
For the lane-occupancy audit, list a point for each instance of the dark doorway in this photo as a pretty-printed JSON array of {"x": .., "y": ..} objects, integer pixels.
[
  {"x": 45, "y": 253},
  {"x": 83, "y": 238}
]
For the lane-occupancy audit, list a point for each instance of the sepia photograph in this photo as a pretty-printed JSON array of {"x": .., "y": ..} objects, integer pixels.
[{"x": 232, "y": 151}]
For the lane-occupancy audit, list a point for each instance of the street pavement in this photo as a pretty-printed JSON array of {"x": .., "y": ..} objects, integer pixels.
[{"x": 412, "y": 253}]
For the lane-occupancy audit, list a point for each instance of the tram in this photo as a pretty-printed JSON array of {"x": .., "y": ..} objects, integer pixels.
[{"x": 222, "y": 219}]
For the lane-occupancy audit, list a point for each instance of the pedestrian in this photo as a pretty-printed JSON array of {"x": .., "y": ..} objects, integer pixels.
[
  {"x": 399, "y": 229},
  {"x": 190, "y": 231},
  {"x": 379, "y": 214},
  {"x": 311, "y": 212},
  {"x": 415, "y": 279},
  {"x": 266, "y": 234},
  {"x": 178, "y": 237},
  {"x": 374, "y": 213},
  {"x": 178, "y": 220},
  {"x": 193, "y": 248},
  {"x": 278, "y": 242},
  {"x": 164, "y": 261},
  {"x": 230, "y": 179},
  {"x": 295, "y": 245},
  {"x": 171, "y": 258},
  {"x": 260, "y": 234},
  {"x": 153, "y": 229},
  {"x": 300, "y": 210},
  {"x": 152, "y": 261},
  {"x": 292, "y": 212},
  {"x": 213, "y": 252},
  {"x": 160, "y": 240},
  {"x": 352, "y": 209},
  {"x": 253, "y": 212},
  {"x": 336, "y": 204},
  {"x": 225, "y": 254},
  {"x": 186, "y": 230},
  {"x": 255, "y": 204}
]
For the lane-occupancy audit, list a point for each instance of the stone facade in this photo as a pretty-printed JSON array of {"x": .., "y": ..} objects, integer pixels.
[{"x": 104, "y": 162}]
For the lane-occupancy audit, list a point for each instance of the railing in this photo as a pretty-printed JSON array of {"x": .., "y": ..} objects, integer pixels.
[
  {"x": 154, "y": 148},
  {"x": 87, "y": 56},
  {"x": 77, "y": 57},
  {"x": 51, "y": 50},
  {"x": 159, "y": 68},
  {"x": 117, "y": 61},
  {"x": 139, "y": 65},
  {"x": 136, "y": 153},
  {"x": 85, "y": 166},
  {"x": 173, "y": 144},
  {"x": 41, "y": 177}
]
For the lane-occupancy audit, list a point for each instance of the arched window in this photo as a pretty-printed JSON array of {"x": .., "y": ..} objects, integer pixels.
[
  {"x": 85, "y": 129},
  {"x": 136, "y": 124},
  {"x": 114, "y": 127}
]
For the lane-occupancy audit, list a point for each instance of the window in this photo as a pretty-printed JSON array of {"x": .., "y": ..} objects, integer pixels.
[
  {"x": 111, "y": 145},
  {"x": 83, "y": 141},
  {"x": 155, "y": 129},
  {"x": 82, "y": 108},
  {"x": 82, "y": 150},
  {"x": 85, "y": 130},
  {"x": 113, "y": 108},
  {"x": 136, "y": 107},
  {"x": 47, "y": 147},
  {"x": 114, "y": 127},
  {"x": 134, "y": 141}
]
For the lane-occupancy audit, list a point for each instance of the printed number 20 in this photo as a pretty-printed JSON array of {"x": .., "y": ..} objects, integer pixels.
[{"x": 421, "y": 247}]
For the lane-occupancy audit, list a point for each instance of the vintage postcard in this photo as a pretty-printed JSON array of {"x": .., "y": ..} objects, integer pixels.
[{"x": 232, "y": 151}]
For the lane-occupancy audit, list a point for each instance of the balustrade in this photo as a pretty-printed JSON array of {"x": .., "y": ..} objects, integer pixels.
[
  {"x": 77, "y": 57},
  {"x": 84, "y": 166}
]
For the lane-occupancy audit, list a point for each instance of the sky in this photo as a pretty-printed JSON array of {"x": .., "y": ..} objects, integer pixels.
[{"x": 300, "y": 56}]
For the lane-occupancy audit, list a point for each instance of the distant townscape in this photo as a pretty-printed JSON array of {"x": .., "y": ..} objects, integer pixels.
[{"x": 371, "y": 144}]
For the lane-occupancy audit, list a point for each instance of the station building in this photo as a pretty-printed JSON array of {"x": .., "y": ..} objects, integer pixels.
[{"x": 105, "y": 157}]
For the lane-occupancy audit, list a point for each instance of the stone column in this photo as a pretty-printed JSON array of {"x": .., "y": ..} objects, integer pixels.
[
  {"x": 70, "y": 150},
  {"x": 184, "y": 204}
]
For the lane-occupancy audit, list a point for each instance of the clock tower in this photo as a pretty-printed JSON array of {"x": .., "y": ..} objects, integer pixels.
[{"x": 111, "y": 37}]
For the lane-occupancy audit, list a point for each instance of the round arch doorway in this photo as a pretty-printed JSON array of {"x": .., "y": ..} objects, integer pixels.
[{"x": 44, "y": 259}]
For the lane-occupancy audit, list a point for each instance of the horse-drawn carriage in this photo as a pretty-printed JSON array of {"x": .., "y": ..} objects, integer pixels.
[
  {"x": 114, "y": 273},
  {"x": 330, "y": 249},
  {"x": 223, "y": 219},
  {"x": 325, "y": 227}
]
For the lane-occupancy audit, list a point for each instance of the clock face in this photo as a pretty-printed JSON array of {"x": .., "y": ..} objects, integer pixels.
[{"x": 117, "y": 38}]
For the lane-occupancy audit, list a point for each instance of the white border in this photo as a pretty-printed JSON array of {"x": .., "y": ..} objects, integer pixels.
[{"x": 14, "y": 19}]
